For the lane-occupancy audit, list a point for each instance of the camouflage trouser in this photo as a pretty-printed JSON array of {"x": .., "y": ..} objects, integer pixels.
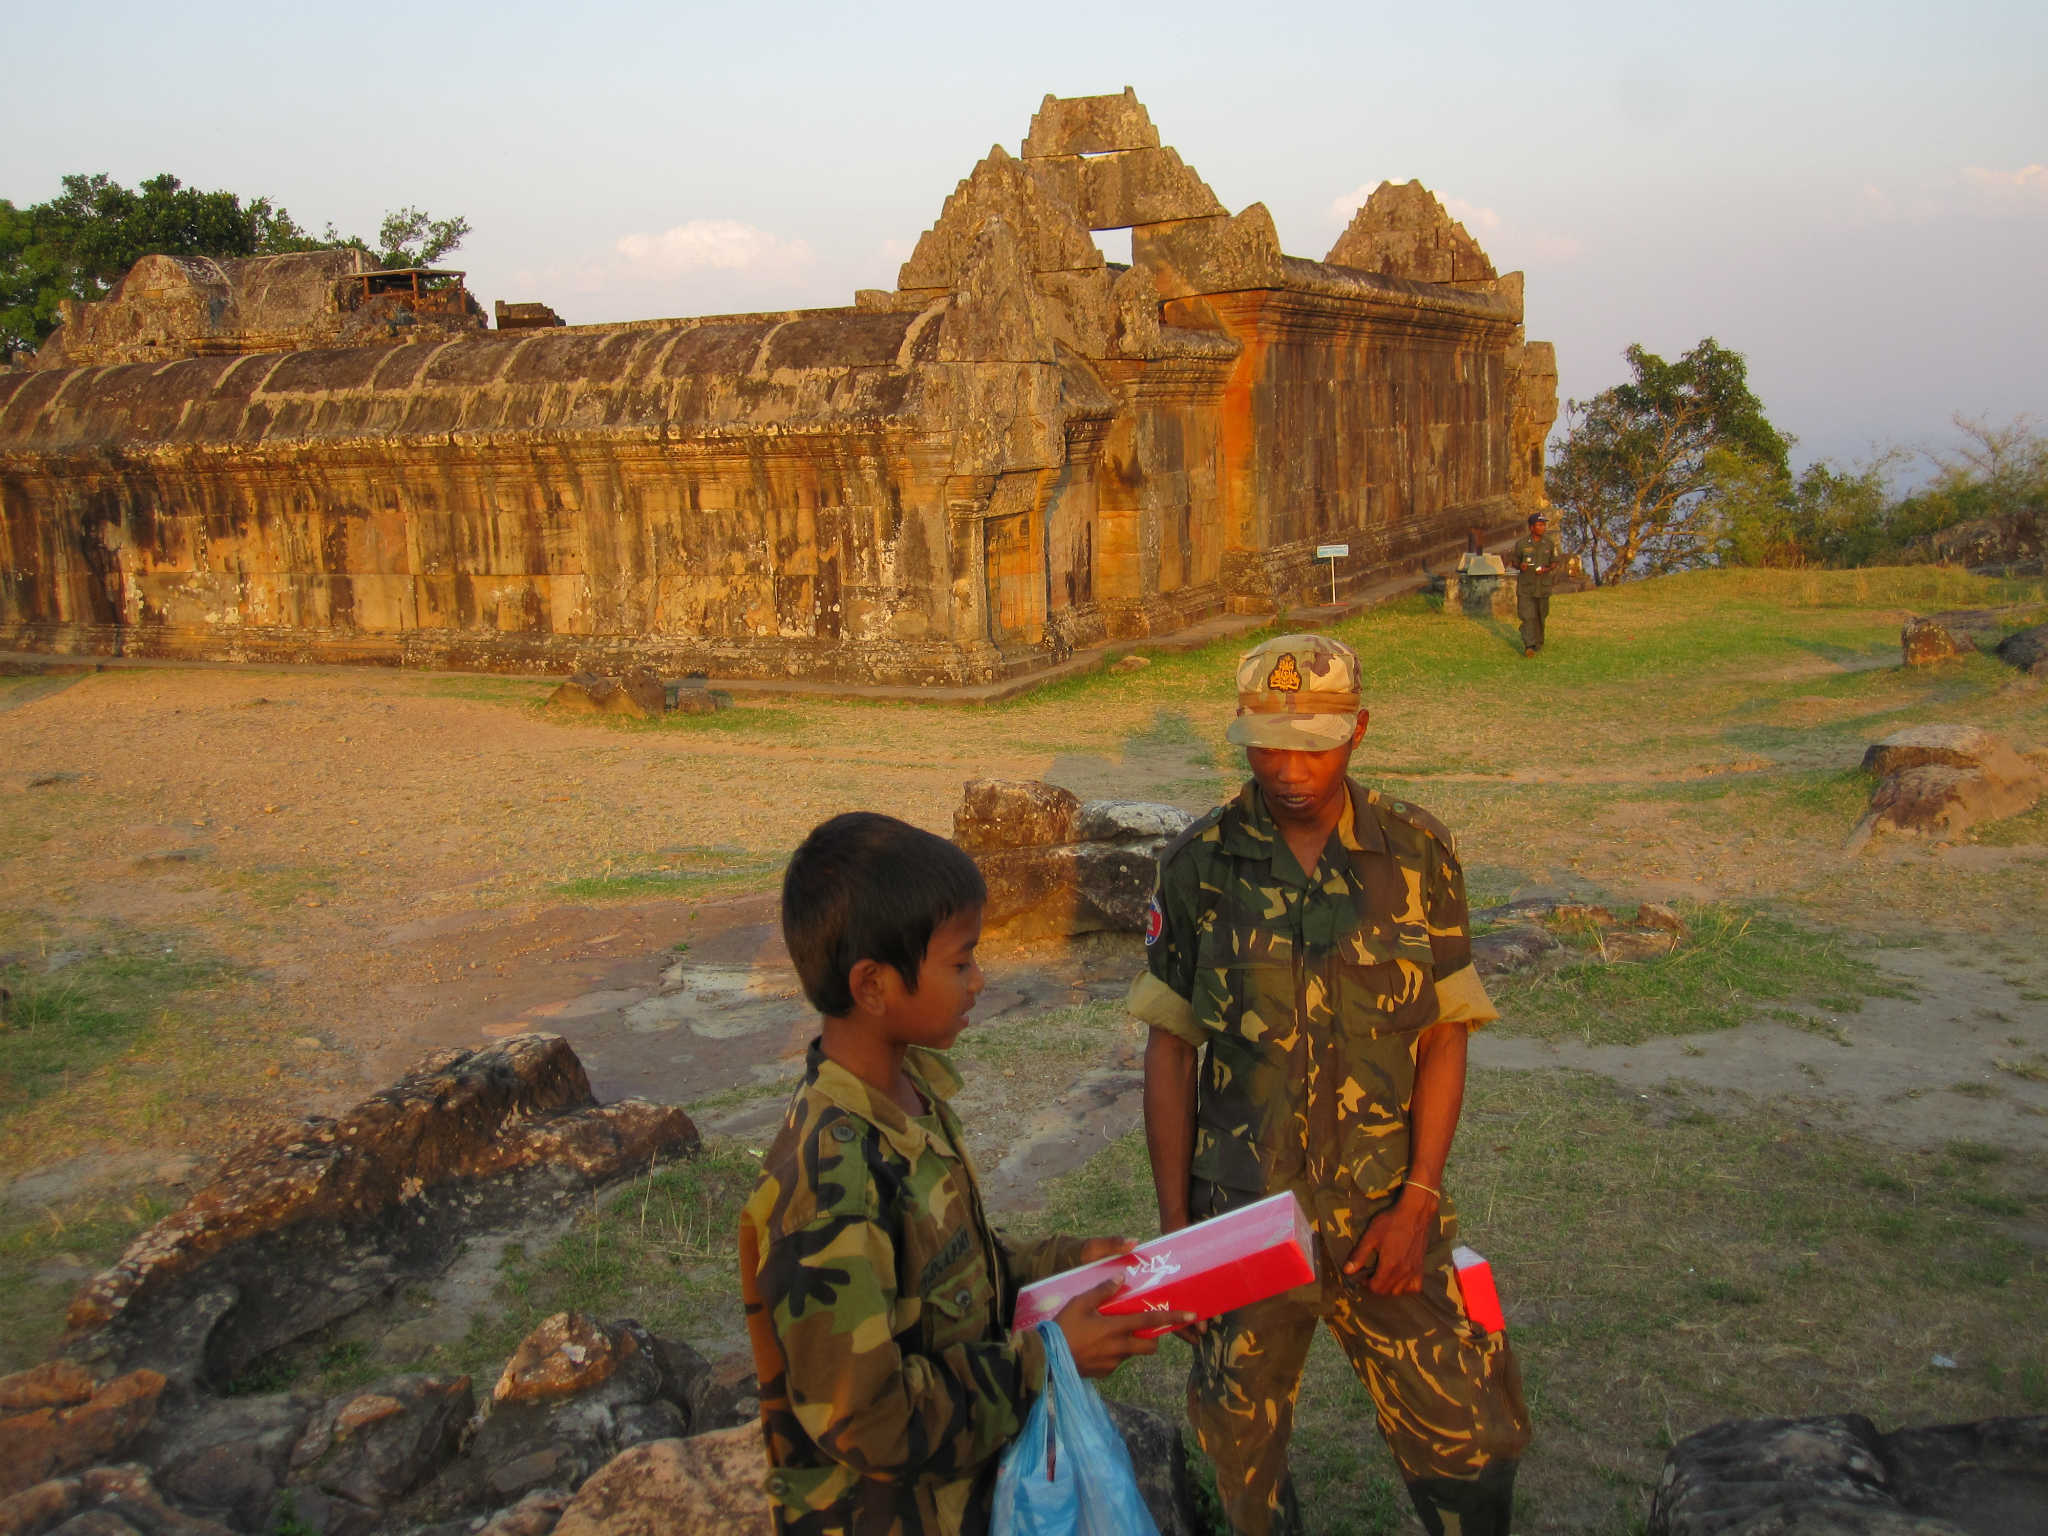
[{"x": 1449, "y": 1396}]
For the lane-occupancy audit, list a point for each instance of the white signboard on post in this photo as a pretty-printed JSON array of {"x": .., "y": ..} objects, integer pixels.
[{"x": 1333, "y": 553}]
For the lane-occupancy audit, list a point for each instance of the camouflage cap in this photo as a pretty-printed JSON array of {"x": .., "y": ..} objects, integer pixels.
[{"x": 1297, "y": 692}]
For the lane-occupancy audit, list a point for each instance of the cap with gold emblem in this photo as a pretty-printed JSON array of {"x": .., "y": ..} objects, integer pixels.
[{"x": 1296, "y": 692}]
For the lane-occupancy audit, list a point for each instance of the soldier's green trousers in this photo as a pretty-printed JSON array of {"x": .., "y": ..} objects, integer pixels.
[{"x": 1449, "y": 1397}]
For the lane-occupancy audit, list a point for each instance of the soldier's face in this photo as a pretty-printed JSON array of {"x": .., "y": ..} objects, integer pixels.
[
  {"x": 948, "y": 982},
  {"x": 1302, "y": 787}
]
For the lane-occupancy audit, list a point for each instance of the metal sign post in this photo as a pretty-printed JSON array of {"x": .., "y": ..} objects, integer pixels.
[{"x": 1333, "y": 553}]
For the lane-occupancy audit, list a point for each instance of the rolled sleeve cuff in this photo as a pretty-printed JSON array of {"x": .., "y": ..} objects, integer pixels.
[
  {"x": 1153, "y": 1002},
  {"x": 1461, "y": 999},
  {"x": 1030, "y": 1364}
]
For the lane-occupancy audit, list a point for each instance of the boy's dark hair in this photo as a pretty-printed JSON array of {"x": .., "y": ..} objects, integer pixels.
[{"x": 869, "y": 887}]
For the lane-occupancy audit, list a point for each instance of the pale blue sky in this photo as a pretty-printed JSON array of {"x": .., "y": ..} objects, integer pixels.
[{"x": 1855, "y": 196}]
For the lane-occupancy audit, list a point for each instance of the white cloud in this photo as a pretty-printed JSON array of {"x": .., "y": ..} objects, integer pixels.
[
  {"x": 2029, "y": 183},
  {"x": 1471, "y": 215},
  {"x": 1344, "y": 206},
  {"x": 712, "y": 245}
]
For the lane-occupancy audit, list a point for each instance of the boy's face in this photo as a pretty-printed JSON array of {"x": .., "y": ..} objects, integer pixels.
[{"x": 948, "y": 982}]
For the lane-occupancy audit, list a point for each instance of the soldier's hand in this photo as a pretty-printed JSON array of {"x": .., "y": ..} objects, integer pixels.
[
  {"x": 1101, "y": 1344},
  {"x": 1398, "y": 1237},
  {"x": 1104, "y": 1248}
]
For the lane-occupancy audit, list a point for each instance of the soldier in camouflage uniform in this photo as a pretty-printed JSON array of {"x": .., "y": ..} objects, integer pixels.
[
  {"x": 1537, "y": 559},
  {"x": 878, "y": 1296},
  {"x": 1309, "y": 986}
]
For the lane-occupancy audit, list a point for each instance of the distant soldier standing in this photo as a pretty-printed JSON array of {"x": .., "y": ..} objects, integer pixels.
[
  {"x": 1309, "y": 985},
  {"x": 1536, "y": 557}
]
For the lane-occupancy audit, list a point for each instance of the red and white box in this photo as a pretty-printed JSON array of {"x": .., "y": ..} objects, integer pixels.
[
  {"x": 1206, "y": 1268},
  {"x": 1475, "y": 1284}
]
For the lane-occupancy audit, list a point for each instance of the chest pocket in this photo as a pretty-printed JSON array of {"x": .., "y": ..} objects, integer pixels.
[
  {"x": 1385, "y": 979},
  {"x": 943, "y": 1266}
]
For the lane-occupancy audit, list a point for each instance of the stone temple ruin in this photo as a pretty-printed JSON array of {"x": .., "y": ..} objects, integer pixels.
[{"x": 1020, "y": 449}]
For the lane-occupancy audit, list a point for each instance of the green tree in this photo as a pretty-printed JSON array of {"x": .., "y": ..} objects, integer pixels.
[
  {"x": 1639, "y": 475},
  {"x": 80, "y": 243}
]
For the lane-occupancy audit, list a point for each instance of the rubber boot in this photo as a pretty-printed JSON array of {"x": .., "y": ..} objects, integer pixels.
[{"x": 1484, "y": 1506}]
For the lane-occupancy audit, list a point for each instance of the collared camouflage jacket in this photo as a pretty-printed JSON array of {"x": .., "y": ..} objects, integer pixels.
[
  {"x": 878, "y": 1300},
  {"x": 1306, "y": 996},
  {"x": 1539, "y": 562}
]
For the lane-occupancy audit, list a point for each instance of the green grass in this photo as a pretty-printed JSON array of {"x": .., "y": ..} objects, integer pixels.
[
  {"x": 46, "y": 1254},
  {"x": 1732, "y": 964},
  {"x": 1663, "y": 1272},
  {"x": 63, "y": 1025},
  {"x": 682, "y": 871}
]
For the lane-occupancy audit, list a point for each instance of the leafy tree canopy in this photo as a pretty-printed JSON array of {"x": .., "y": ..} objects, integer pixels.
[
  {"x": 80, "y": 243},
  {"x": 1644, "y": 464}
]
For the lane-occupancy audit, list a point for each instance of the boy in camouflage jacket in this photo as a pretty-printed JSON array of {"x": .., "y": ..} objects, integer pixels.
[{"x": 878, "y": 1297}]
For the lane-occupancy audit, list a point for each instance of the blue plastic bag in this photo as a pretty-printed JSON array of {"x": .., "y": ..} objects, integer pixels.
[{"x": 1067, "y": 1473}]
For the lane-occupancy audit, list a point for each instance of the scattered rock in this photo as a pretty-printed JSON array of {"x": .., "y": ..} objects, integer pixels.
[
  {"x": 46, "y": 1442},
  {"x": 534, "y": 1515},
  {"x": 106, "y": 1501},
  {"x": 568, "y": 1353},
  {"x": 1504, "y": 951},
  {"x": 728, "y": 1393},
  {"x": 1014, "y": 813},
  {"x": 638, "y": 694},
  {"x": 371, "y": 1448},
  {"x": 688, "y": 700},
  {"x": 707, "y": 1485},
  {"x": 1654, "y": 914},
  {"x": 1941, "y": 780},
  {"x": 1838, "y": 1476},
  {"x": 54, "y": 777},
  {"x": 325, "y": 1217},
  {"x": 2027, "y": 650},
  {"x": 1578, "y": 912},
  {"x": 1130, "y": 664},
  {"x": 1923, "y": 642}
]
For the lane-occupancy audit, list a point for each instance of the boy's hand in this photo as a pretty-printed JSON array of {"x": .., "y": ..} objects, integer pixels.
[
  {"x": 1100, "y": 1344},
  {"x": 1398, "y": 1238}
]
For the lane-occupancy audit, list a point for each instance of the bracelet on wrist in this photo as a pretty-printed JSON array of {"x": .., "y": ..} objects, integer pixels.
[{"x": 1418, "y": 1184}]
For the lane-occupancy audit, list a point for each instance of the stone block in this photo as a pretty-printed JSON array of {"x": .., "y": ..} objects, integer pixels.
[
  {"x": 1055, "y": 239},
  {"x": 1089, "y": 125},
  {"x": 1129, "y": 821},
  {"x": 1138, "y": 186},
  {"x": 1218, "y": 255},
  {"x": 1014, "y": 813},
  {"x": 1923, "y": 642}
]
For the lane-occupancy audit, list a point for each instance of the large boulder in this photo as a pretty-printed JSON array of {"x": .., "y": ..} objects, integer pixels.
[
  {"x": 2027, "y": 650},
  {"x": 1941, "y": 780},
  {"x": 58, "y": 1432},
  {"x": 228, "y": 1458},
  {"x": 1837, "y": 1476},
  {"x": 328, "y": 1216}
]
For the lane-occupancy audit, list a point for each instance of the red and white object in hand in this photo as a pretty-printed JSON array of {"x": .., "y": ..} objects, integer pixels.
[
  {"x": 1475, "y": 1284},
  {"x": 1206, "y": 1268}
]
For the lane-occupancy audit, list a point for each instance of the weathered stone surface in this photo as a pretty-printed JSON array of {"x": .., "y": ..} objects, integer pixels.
[
  {"x": 637, "y": 695},
  {"x": 53, "y": 1384},
  {"x": 1036, "y": 893},
  {"x": 2027, "y": 650},
  {"x": 111, "y": 1501},
  {"x": 1504, "y": 951},
  {"x": 43, "y": 1443},
  {"x": 374, "y": 1447},
  {"x": 1838, "y": 1476},
  {"x": 1089, "y": 125},
  {"x": 319, "y": 1220},
  {"x": 1014, "y": 813},
  {"x": 1654, "y": 914},
  {"x": 567, "y": 1353},
  {"x": 1129, "y": 821},
  {"x": 1945, "y": 802},
  {"x": 534, "y": 1515},
  {"x": 707, "y": 1485},
  {"x": 1137, "y": 186},
  {"x": 1923, "y": 642},
  {"x": 226, "y": 1458},
  {"x": 1947, "y": 746}
]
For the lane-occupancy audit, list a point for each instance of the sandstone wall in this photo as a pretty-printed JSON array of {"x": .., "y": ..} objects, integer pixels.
[{"x": 1018, "y": 450}]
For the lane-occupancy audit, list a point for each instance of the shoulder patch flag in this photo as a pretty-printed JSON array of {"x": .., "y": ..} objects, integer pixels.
[{"x": 1155, "y": 923}]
